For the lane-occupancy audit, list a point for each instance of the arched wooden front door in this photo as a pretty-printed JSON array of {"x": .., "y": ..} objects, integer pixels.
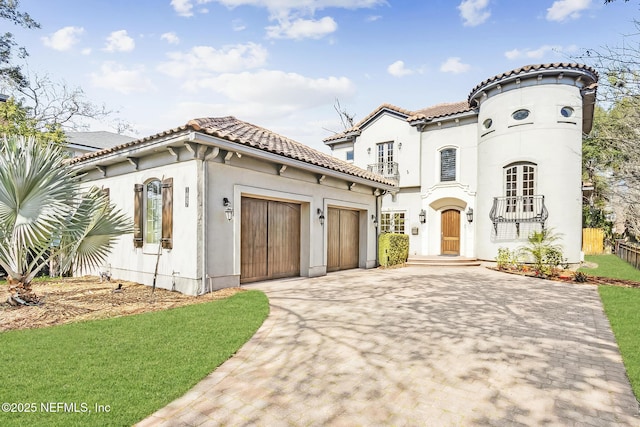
[{"x": 450, "y": 224}]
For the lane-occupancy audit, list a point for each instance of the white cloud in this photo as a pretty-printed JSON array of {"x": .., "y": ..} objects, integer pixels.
[
  {"x": 170, "y": 37},
  {"x": 293, "y": 18},
  {"x": 86, "y": 51},
  {"x": 116, "y": 77},
  {"x": 453, "y": 65},
  {"x": 182, "y": 7},
  {"x": 119, "y": 41},
  {"x": 206, "y": 59},
  {"x": 276, "y": 89},
  {"x": 373, "y": 18},
  {"x": 561, "y": 10},
  {"x": 474, "y": 12},
  {"x": 397, "y": 69},
  {"x": 63, "y": 39},
  {"x": 302, "y": 29},
  {"x": 539, "y": 52}
]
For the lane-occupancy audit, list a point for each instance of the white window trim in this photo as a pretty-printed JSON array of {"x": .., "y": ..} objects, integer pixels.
[
  {"x": 392, "y": 222},
  {"x": 519, "y": 180},
  {"x": 438, "y": 165},
  {"x": 150, "y": 248}
]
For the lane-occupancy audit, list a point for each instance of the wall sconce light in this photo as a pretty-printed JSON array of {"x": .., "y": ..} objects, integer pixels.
[
  {"x": 321, "y": 216},
  {"x": 369, "y": 150},
  {"x": 470, "y": 215},
  {"x": 228, "y": 210},
  {"x": 375, "y": 220},
  {"x": 422, "y": 217},
  {"x": 400, "y": 146}
]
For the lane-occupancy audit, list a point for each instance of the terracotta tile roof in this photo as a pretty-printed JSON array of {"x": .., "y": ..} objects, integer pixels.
[
  {"x": 237, "y": 131},
  {"x": 528, "y": 69},
  {"x": 358, "y": 127},
  {"x": 440, "y": 110}
]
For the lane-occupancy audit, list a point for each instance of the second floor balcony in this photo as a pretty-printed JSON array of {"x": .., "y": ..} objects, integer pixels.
[
  {"x": 388, "y": 170},
  {"x": 517, "y": 210}
]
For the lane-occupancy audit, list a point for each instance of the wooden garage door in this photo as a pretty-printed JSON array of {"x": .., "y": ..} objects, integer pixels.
[
  {"x": 450, "y": 232},
  {"x": 270, "y": 240},
  {"x": 343, "y": 237}
]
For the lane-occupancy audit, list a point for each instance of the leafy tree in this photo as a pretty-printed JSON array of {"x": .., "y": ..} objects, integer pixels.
[
  {"x": 15, "y": 120},
  {"x": 45, "y": 215},
  {"x": 9, "y": 11},
  {"x": 611, "y": 154}
]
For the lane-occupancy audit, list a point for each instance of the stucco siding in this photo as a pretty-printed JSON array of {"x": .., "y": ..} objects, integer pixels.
[{"x": 178, "y": 265}]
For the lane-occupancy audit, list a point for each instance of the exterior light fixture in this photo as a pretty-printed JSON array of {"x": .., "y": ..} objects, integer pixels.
[
  {"x": 400, "y": 146},
  {"x": 375, "y": 220},
  {"x": 470, "y": 215},
  {"x": 321, "y": 216},
  {"x": 228, "y": 210},
  {"x": 369, "y": 150},
  {"x": 422, "y": 217}
]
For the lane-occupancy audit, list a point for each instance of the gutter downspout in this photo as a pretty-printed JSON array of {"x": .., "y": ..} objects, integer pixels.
[
  {"x": 204, "y": 224},
  {"x": 378, "y": 203}
]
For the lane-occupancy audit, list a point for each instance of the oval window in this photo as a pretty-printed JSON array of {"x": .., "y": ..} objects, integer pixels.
[
  {"x": 520, "y": 114},
  {"x": 487, "y": 123},
  {"x": 566, "y": 111}
]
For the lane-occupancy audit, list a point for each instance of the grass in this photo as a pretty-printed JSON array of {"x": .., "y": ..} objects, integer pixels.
[
  {"x": 622, "y": 306},
  {"x": 135, "y": 364},
  {"x": 611, "y": 266}
]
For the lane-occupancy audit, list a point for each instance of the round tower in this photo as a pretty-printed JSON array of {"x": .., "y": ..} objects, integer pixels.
[{"x": 530, "y": 126}]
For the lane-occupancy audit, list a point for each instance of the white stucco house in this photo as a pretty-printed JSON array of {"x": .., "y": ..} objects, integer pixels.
[
  {"x": 483, "y": 173},
  {"x": 219, "y": 202}
]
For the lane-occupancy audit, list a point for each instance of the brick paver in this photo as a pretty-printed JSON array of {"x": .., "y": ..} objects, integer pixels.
[{"x": 419, "y": 346}]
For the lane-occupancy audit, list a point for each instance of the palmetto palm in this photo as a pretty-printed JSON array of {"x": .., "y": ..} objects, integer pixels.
[{"x": 44, "y": 213}]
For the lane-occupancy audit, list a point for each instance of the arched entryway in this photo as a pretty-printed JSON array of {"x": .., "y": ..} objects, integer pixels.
[{"x": 450, "y": 232}]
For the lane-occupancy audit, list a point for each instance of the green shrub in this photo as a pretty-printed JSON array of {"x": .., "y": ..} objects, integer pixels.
[
  {"x": 393, "y": 249},
  {"x": 544, "y": 252},
  {"x": 580, "y": 277},
  {"x": 507, "y": 259}
]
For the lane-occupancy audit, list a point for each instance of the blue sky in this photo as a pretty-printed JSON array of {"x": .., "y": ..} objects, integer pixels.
[{"x": 282, "y": 64}]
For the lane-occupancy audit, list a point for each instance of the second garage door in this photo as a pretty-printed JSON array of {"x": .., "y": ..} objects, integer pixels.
[
  {"x": 270, "y": 240},
  {"x": 343, "y": 237}
]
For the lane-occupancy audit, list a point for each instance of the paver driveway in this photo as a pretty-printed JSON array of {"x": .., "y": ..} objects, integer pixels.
[{"x": 416, "y": 346}]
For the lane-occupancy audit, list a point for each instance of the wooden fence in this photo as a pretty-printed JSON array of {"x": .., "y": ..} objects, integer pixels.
[
  {"x": 593, "y": 241},
  {"x": 628, "y": 252}
]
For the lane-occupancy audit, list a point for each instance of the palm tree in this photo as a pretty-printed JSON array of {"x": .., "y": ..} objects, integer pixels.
[{"x": 44, "y": 215}]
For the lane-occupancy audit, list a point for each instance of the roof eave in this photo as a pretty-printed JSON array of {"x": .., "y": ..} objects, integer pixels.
[
  {"x": 186, "y": 136},
  {"x": 202, "y": 138},
  {"x": 426, "y": 120}
]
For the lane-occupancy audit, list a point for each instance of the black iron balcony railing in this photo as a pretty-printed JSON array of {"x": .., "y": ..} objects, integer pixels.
[
  {"x": 387, "y": 169},
  {"x": 516, "y": 210}
]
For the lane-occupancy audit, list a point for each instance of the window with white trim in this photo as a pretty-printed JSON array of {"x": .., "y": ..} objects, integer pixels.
[
  {"x": 448, "y": 164},
  {"x": 392, "y": 222},
  {"x": 384, "y": 157},
  {"x": 153, "y": 211},
  {"x": 520, "y": 186}
]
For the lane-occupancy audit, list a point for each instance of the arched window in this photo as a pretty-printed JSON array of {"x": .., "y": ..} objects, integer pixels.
[
  {"x": 448, "y": 164},
  {"x": 520, "y": 186},
  {"x": 153, "y": 212}
]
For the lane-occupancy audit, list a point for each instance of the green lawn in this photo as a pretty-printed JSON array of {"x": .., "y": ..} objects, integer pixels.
[
  {"x": 131, "y": 365},
  {"x": 622, "y": 306},
  {"x": 611, "y": 266}
]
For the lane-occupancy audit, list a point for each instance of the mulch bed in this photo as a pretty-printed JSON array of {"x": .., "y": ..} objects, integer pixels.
[
  {"x": 567, "y": 277},
  {"x": 75, "y": 299}
]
